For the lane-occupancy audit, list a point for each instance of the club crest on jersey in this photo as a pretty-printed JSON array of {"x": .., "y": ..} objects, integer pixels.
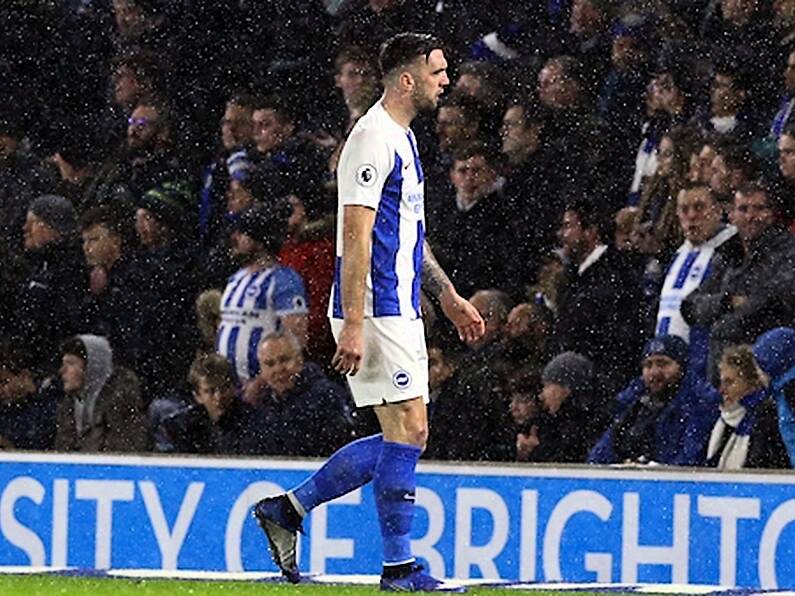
[
  {"x": 366, "y": 175},
  {"x": 401, "y": 380}
]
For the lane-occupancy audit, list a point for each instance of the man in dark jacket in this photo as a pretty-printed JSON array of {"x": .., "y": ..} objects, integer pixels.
[
  {"x": 163, "y": 221},
  {"x": 102, "y": 409},
  {"x": 740, "y": 302},
  {"x": 48, "y": 300},
  {"x": 301, "y": 411},
  {"x": 571, "y": 414},
  {"x": 664, "y": 416},
  {"x": 599, "y": 304},
  {"x": 117, "y": 299}
]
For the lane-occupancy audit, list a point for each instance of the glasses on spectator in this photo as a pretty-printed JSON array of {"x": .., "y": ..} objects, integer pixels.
[{"x": 138, "y": 122}]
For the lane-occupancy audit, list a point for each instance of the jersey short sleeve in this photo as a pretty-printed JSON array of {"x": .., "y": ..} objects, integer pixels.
[
  {"x": 289, "y": 295},
  {"x": 365, "y": 164}
]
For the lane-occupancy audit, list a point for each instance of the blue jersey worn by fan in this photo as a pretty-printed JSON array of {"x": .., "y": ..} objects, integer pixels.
[{"x": 252, "y": 306}]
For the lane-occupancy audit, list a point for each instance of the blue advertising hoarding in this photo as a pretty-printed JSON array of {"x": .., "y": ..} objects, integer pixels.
[{"x": 498, "y": 522}]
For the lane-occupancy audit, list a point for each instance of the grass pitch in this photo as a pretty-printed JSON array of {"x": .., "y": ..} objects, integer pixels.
[{"x": 48, "y": 585}]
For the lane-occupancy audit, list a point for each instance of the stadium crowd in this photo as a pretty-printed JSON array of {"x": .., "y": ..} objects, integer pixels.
[{"x": 611, "y": 182}]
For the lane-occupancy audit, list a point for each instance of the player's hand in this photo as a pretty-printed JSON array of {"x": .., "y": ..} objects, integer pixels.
[
  {"x": 463, "y": 315},
  {"x": 350, "y": 349}
]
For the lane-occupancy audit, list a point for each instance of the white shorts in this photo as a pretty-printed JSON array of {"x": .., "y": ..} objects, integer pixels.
[{"x": 395, "y": 366}]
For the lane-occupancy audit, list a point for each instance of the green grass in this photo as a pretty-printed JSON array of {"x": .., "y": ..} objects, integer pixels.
[{"x": 47, "y": 585}]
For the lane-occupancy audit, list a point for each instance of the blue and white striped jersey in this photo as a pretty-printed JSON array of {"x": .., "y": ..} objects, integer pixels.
[
  {"x": 380, "y": 168},
  {"x": 251, "y": 307}
]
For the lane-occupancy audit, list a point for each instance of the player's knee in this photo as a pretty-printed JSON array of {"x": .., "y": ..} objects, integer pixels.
[{"x": 417, "y": 434}]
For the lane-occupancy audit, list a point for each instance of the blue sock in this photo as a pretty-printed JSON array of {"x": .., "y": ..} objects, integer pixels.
[
  {"x": 348, "y": 468},
  {"x": 394, "y": 485}
]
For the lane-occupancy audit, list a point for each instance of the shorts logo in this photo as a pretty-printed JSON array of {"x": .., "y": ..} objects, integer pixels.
[
  {"x": 401, "y": 380},
  {"x": 366, "y": 175}
]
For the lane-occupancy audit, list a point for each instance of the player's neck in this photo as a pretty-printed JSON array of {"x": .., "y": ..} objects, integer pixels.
[{"x": 399, "y": 109}]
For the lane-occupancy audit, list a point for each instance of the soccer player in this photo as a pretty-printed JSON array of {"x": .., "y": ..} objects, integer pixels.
[{"x": 382, "y": 258}]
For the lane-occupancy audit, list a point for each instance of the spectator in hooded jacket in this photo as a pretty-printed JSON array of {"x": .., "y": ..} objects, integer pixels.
[
  {"x": 664, "y": 416},
  {"x": 102, "y": 409}
]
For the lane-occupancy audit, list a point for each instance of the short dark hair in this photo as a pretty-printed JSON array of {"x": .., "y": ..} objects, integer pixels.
[
  {"x": 474, "y": 148},
  {"x": 738, "y": 157},
  {"x": 789, "y": 129},
  {"x": 759, "y": 186},
  {"x": 403, "y": 48},
  {"x": 471, "y": 109},
  {"x": 104, "y": 216},
  {"x": 244, "y": 100},
  {"x": 571, "y": 66},
  {"x": 74, "y": 346},
  {"x": 285, "y": 110},
  {"x": 588, "y": 212},
  {"x": 214, "y": 369},
  {"x": 358, "y": 55},
  {"x": 531, "y": 111},
  {"x": 14, "y": 358}
]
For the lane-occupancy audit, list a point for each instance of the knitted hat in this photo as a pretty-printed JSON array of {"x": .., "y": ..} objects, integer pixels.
[
  {"x": 170, "y": 204},
  {"x": 266, "y": 224},
  {"x": 774, "y": 351},
  {"x": 570, "y": 370},
  {"x": 672, "y": 346},
  {"x": 56, "y": 211}
]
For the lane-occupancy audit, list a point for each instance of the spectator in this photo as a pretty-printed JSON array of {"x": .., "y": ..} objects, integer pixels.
[
  {"x": 599, "y": 304},
  {"x": 27, "y": 410},
  {"x": 621, "y": 98},
  {"x": 357, "y": 79},
  {"x": 786, "y": 172},
  {"x": 527, "y": 331},
  {"x": 658, "y": 230},
  {"x": 47, "y": 302},
  {"x": 733, "y": 167},
  {"x": 17, "y": 187},
  {"x": 664, "y": 416},
  {"x": 218, "y": 421},
  {"x": 782, "y": 117},
  {"x": 739, "y": 302},
  {"x": 571, "y": 414},
  {"x": 746, "y": 434},
  {"x": 309, "y": 251},
  {"x": 117, "y": 301},
  {"x": 707, "y": 241},
  {"x": 729, "y": 115},
  {"x": 667, "y": 105},
  {"x": 477, "y": 218},
  {"x": 288, "y": 162},
  {"x": 148, "y": 160},
  {"x": 102, "y": 409},
  {"x": 302, "y": 411},
  {"x": 531, "y": 194},
  {"x": 578, "y": 143},
  {"x": 231, "y": 162},
  {"x": 473, "y": 396},
  {"x": 262, "y": 296},
  {"x": 774, "y": 352},
  {"x": 164, "y": 225}
]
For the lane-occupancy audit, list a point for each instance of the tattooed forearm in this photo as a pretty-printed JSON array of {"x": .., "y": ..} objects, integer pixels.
[{"x": 434, "y": 280}]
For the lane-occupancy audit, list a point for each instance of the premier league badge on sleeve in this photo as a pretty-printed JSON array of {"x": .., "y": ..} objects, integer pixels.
[{"x": 366, "y": 175}]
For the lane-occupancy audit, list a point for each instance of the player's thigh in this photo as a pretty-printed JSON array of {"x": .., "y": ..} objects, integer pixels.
[{"x": 395, "y": 364}]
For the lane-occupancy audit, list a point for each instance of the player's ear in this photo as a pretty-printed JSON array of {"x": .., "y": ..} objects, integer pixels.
[{"x": 406, "y": 80}]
